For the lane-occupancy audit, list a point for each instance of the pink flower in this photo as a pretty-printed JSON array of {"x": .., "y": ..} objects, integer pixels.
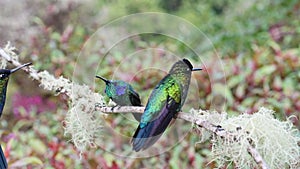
[{"x": 30, "y": 103}]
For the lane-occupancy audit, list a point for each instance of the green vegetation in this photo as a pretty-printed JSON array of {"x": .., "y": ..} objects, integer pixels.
[{"x": 257, "y": 42}]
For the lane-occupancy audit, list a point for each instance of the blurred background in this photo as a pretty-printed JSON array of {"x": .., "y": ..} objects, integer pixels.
[{"x": 257, "y": 42}]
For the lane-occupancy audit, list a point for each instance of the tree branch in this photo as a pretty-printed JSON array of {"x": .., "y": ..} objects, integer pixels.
[
  {"x": 257, "y": 158},
  {"x": 129, "y": 109},
  {"x": 190, "y": 118},
  {"x": 181, "y": 115},
  {"x": 28, "y": 69}
]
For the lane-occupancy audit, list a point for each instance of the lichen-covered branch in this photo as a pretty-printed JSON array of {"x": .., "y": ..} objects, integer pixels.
[
  {"x": 181, "y": 115},
  {"x": 247, "y": 140},
  {"x": 9, "y": 56},
  {"x": 191, "y": 118},
  {"x": 258, "y": 158},
  {"x": 81, "y": 121},
  {"x": 119, "y": 109}
]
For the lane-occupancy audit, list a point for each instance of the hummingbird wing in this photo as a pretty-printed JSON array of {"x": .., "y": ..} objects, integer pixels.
[
  {"x": 135, "y": 101},
  {"x": 162, "y": 106},
  {"x": 134, "y": 97},
  {"x": 3, "y": 162}
]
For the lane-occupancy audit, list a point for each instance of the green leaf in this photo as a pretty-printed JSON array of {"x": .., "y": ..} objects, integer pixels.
[
  {"x": 288, "y": 86},
  {"x": 38, "y": 146},
  {"x": 57, "y": 55},
  {"x": 55, "y": 36},
  {"x": 274, "y": 102},
  {"x": 240, "y": 91},
  {"x": 235, "y": 80},
  {"x": 249, "y": 101},
  {"x": 223, "y": 90},
  {"x": 199, "y": 160},
  {"x": 175, "y": 158},
  {"x": 38, "y": 21},
  {"x": 26, "y": 161},
  {"x": 109, "y": 158},
  {"x": 263, "y": 72}
]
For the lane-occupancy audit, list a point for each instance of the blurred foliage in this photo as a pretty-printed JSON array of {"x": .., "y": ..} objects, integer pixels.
[
  {"x": 231, "y": 25},
  {"x": 268, "y": 78},
  {"x": 257, "y": 41}
]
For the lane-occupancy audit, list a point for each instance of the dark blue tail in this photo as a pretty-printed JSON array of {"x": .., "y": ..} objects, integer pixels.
[
  {"x": 3, "y": 162},
  {"x": 145, "y": 137}
]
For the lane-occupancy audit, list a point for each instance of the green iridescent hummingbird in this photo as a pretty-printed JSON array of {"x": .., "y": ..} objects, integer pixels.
[
  {"x": 123, "y": 94},
  {"x": 165, "y": 101},
  {"x": 4, "y": 77}
]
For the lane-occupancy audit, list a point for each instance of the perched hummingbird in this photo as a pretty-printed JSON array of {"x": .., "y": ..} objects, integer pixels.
[
  {"x": 165, "y": 101},
  {"x": 4, "y": 76},
  {"x": 122, "y": 93}
]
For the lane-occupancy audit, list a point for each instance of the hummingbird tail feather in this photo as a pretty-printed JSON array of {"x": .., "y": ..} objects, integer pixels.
[
  {"x": 3, "y": 162},
  {"x": 148, "y": 135},
  {"x": 137, "y": 116}
]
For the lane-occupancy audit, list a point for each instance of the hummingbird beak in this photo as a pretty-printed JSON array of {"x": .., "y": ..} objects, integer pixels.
[
  {"x": 196, "y": 69},
  {"x": 17, "y": 68},
  {"x": 105, "y": 80}
]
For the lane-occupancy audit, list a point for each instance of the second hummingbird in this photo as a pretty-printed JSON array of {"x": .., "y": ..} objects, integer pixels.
[
  {"x": 122, "y": 93},
  {"x": 4, "y": 77}
]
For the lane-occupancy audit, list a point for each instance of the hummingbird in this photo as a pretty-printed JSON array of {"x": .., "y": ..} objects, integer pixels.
[
  {"x": 122, "y": 93},
  {"x": 4, "y": 77},
  {"x": 165, "y": 101}
]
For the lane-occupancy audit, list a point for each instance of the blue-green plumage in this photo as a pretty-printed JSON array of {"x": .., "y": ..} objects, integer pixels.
[
  {"x": 122, "y": 93},
  {"x": 4, "y": 77},
  {"x": 165, "y": 101}
]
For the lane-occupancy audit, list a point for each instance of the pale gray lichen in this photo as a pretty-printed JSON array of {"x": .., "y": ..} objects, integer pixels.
[
  {"x": 59, "y": 85},
  {"x": 10, "y": 50},
  {"x": 213, "y": 117},
  {"x": 82, "y": 122},
  {"x": 276, "y": 141}
]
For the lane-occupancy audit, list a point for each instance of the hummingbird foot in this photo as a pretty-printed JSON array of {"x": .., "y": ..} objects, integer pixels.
[
  {"x": 113, "y": 108},
  {"x": 175, "y": 116},
  {"x": 99, "y": 105},
  {"x": 219, "y": 128}
]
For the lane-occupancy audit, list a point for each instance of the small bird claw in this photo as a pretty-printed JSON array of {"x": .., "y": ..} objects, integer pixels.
[
  {"x": 99, "y": 105},
  {"x": 112, "y": 108},
  {"x": 219, "y": 128}
]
